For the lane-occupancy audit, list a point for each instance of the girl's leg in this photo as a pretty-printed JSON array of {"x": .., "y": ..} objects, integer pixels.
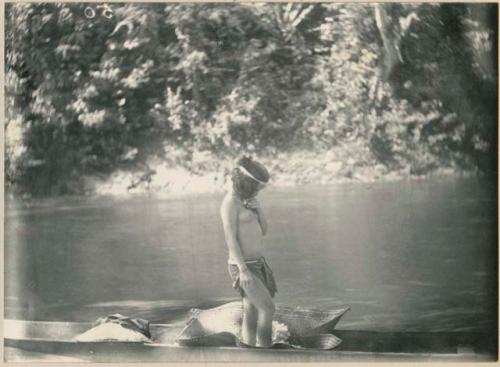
[
  {"x": 259, "y": 296},
  {"x": 249, "y": 325}
]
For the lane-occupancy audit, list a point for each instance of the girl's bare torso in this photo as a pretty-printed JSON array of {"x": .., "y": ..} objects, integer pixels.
[{"x": 249, "y": 233}]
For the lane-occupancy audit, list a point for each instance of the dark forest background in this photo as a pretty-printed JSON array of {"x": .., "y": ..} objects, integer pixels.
[{"x": 377, "y": 88}]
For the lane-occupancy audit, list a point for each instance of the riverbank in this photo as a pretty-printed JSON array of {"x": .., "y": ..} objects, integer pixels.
[{"x": 207, "y": 174}]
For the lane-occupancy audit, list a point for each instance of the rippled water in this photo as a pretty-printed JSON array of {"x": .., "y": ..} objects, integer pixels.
[{"x": 415, "y": 255}]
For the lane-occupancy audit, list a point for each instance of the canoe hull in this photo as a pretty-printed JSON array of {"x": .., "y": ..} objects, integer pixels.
[
  {"x": 51, "y": 351},
  {"x": 49, "y": 341}
]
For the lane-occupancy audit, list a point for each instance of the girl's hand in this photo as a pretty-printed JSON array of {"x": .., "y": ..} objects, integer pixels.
[
  {"x": 246, "y": 279},
  {"x": 253, "y": 204}
]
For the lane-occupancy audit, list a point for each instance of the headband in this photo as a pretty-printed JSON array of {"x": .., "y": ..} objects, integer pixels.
[{"x": 246, "y": 173}]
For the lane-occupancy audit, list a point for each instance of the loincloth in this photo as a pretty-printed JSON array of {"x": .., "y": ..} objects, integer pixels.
[{"x": 258, "y": 268}]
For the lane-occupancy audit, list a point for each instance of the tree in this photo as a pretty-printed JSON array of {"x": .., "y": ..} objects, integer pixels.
[{"x": 409, "y": 86}]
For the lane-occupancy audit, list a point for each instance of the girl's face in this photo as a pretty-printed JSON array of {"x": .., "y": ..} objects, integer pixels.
[
  {"x": 260, "y": 187},
  {"x": 246, "y": 186}
]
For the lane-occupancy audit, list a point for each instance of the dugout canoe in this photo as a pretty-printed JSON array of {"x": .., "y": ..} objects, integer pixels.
[
  {"x": 55, "y": 341},
  {"x": 216, "y": 327},
  {"x": 224, "y": 318},
  {"x": 49, "y": 341}
]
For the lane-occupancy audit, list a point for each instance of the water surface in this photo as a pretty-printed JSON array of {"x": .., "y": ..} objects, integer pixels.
[{"x": 415, "y": 255}]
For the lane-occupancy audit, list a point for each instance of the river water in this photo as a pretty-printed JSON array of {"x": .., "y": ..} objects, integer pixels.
[{"x": 419, "y": 255}]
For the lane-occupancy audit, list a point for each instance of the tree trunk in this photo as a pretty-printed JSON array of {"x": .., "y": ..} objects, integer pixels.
[{"x": 390, "y": 40}]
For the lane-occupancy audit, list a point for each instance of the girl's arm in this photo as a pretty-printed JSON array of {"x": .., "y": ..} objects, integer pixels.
[
  {"x": 262, "y": 221},
  {"x": 229, "y": 215},
  {"x": 254, "y": 205}
]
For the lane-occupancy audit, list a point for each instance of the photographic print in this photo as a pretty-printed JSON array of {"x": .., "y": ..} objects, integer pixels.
[{"x": 250, "y": 182}]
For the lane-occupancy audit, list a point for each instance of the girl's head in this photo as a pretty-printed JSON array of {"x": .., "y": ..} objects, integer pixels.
[{"x": 249, "y": 177}]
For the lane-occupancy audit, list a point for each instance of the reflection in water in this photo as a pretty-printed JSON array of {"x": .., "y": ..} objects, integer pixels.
[{"x": 404, "y": 256}]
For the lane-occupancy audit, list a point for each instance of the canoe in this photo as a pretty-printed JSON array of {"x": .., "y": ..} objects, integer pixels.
[
  {"x": 215, "y": 327},
  {"x": 44, "y": 341},
  {"x": 300, "y": 322},
  {"x": 56, "y": 341}
]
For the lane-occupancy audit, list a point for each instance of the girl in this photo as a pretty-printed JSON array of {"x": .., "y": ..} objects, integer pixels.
[{"x": 244, "y": 226}]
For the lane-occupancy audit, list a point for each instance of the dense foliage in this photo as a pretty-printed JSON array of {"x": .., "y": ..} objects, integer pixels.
[{"x": 406, "y": 86}]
